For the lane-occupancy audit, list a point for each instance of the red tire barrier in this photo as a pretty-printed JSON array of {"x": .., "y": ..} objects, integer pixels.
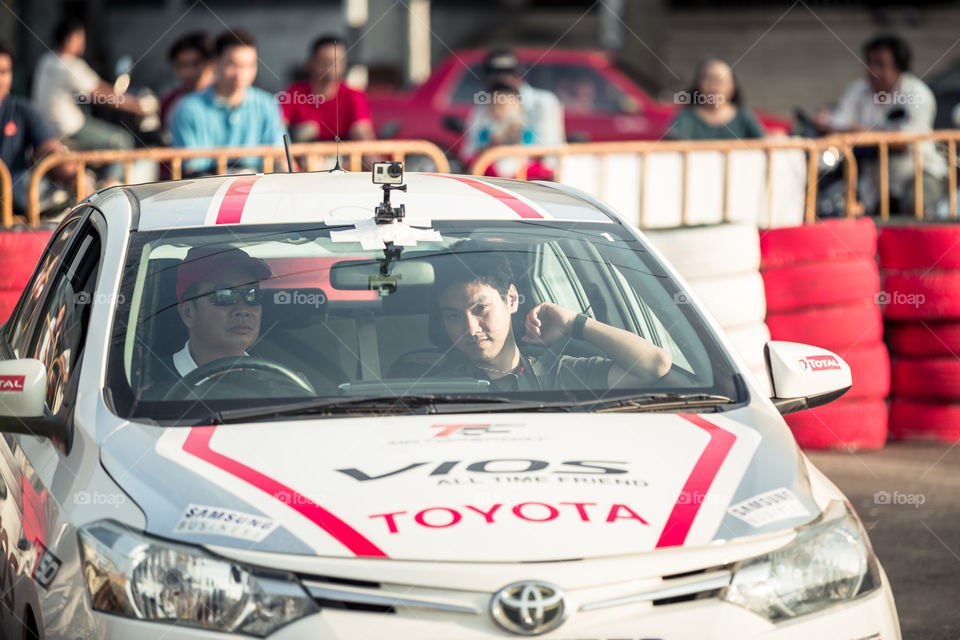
[
  {"x": 833, "y": 328},
  {"x": 26, "y": 242},
  {"x": 920, "y": 247},
  {"x": 919, "y": 296},
  {"x": 8, "y": 300},
  {"x": 935, "y": 378},
  {"x": 842, "y": 424},
  {"x": 819, "y": 284},
  {"x": 19, "y": 252},
  {"x": 920, "y": 339},
  {"x": 821, "y": 242},
  {"x": 870, "y": 367},
  {"x": 914, "y": 420}
]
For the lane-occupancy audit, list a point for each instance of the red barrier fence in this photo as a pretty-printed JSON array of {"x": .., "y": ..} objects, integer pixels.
[
  {"x": 921, "y": 302},
  {"x": 822, "y": 288}
]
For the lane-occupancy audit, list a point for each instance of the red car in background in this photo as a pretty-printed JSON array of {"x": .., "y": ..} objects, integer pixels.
[{"x": 600, "y": 102}]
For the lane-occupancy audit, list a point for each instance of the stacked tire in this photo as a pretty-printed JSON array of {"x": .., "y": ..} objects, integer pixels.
[
  {"x": 19, "y": 251},
  {"x": 921, "y": 304},
  {"x": 822, "y": 286},
  {"x": 721, "y": 263}
]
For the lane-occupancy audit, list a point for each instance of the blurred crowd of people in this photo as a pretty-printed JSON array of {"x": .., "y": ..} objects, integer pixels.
[{"x": 215, "y": 104}]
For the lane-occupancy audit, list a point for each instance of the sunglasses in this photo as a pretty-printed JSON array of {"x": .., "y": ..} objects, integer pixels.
[{"x": 228, "y": 297}]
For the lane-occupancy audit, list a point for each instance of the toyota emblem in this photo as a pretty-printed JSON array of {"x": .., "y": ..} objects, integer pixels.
[{"x": 528, "y": 608}]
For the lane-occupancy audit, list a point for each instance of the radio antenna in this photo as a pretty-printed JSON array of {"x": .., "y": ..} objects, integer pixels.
[
  {"x": 286, "y": 147},
  {"x": 336, "y": 99}
]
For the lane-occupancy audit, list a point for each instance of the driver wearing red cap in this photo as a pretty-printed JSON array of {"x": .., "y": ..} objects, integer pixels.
[{"x": 219, "y": 301}]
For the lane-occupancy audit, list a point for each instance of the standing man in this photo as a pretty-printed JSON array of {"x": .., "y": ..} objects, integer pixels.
[
  {"x": 542, "y": 110},
  {"x": 231, "y": 112},
  {"x": 324, "y": 107},
  {"x": 890, "y": 98},
  {"x": 23, "y": 130}
]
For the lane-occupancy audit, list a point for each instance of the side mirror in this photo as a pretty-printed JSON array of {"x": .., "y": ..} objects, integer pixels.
[
  {"x": 803, "y": 377},
  {"x": 23, "y": 389},
  {"x": 23, "y": 385},
  {"x": 454, "y": 124}
]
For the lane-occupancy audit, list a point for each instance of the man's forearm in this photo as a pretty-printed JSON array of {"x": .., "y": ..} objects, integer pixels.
[{"x": 631, "y": 352}]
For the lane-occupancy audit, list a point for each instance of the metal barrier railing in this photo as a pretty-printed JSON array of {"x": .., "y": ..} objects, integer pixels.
[
  {"x": 884, "y": 141},
  {"x": 6, "y": 196},
  {"x": 647, "y": 147},
  {"x": 843, "y": 144},
  {"x": 351, "y": 153}
]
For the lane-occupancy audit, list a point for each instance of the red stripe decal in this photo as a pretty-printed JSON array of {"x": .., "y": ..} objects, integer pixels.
[
  {"x": 198, "y": 444},
  {"x": 519, "y": 207},
  {"x": 231, "y": 207},
  {"x": 698, "y": 484}
]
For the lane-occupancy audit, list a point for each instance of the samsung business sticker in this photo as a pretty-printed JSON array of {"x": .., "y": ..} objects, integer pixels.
[
  {"x": 771, "y": 506},
  {"x": 224, "y": 522}
]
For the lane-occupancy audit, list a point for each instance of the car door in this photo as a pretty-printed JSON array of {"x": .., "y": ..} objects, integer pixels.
[{"x": 49, "y": 323}]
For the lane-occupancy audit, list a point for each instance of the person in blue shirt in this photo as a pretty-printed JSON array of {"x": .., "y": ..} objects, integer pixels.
[
  {"x": 24, "y": 136},
  {"x": 231, "y": 112}
]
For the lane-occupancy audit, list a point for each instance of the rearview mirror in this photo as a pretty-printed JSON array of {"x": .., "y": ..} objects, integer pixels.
[
  {"x": 803, "y": 377},
  {"x": 365, "y": 275}
]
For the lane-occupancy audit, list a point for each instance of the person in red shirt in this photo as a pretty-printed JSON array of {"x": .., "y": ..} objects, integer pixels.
[
  {"x": 192, "y": 60},
  {"x": 324, "y": 107}
]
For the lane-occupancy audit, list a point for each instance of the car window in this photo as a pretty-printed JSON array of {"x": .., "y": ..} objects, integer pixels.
[
  {"x": 579, "y": 87},
  {"x": 312, "y": 315},
  {"x": 470, "y": 83},
  {"x": 651, "y": 325},
  {"x": 64, "y": 317},
  {"x": 28, "y": 309}
]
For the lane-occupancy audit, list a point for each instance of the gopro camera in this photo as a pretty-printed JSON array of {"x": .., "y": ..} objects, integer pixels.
[{"x": 387, "y": 172}]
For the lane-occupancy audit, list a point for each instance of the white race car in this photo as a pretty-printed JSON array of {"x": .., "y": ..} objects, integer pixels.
[{"x": 320, "y": 406}]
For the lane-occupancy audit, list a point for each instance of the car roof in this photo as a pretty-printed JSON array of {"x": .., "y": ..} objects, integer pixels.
[{"x": 344, "y": 197}]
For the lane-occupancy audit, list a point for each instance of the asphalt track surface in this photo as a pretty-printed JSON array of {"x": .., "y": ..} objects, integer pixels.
[{"x": 908, "y": 496}]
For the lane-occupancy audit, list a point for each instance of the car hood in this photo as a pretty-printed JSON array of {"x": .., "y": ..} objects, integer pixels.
[{"x": 492, "y": 487}]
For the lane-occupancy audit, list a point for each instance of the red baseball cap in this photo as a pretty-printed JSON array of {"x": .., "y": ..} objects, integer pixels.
[{"x": 206, "y": 263}]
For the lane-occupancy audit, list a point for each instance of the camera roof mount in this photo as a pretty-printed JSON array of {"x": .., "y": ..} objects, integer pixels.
[{"x": 387, "y": 213}]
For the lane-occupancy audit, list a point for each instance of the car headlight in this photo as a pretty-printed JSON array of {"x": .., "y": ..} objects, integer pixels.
[
  {"x": 130, "y": 574},
  {"x": 829, "y": 562}
]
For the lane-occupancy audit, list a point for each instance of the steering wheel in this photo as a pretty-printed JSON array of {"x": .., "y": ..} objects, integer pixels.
[{"x": 184, "y": 388}]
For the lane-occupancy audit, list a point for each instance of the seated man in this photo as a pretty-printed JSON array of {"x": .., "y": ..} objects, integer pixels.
[
  {"x": 219, "y": 301},
  {"x": 477, "y": 299},
  {"x": 231, "y": 112}
]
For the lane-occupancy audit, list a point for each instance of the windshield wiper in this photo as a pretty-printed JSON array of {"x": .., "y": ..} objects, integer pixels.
[
  {"x": 441, "y": 404},
  {"x": 659, "y": 402},
  {"x": 334, "y": 406}
]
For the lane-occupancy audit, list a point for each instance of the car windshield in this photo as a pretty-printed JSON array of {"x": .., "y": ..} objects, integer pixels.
[{"x": 291, "y": 319}]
